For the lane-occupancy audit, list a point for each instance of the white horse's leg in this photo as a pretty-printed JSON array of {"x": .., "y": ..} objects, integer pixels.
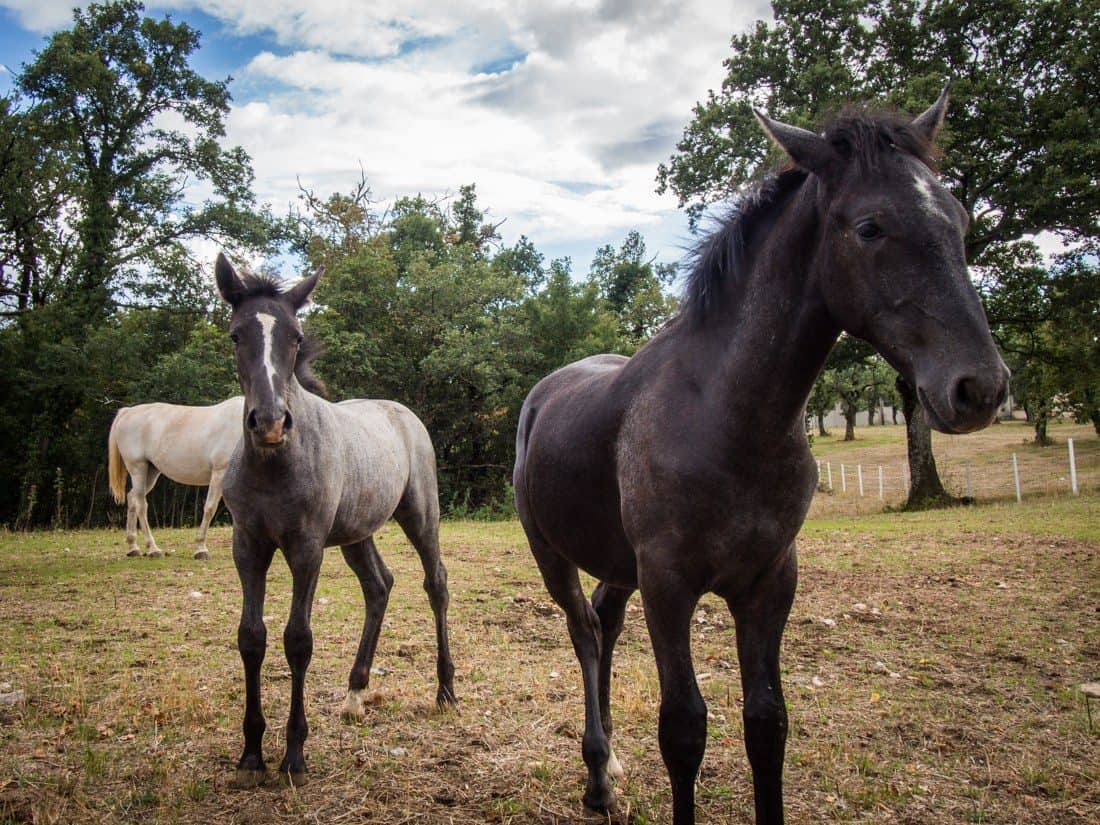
[
  {"x": 213, "y": 496},
  {"x": 131, "y": 513},
  {"x": 148, "y": 479}
]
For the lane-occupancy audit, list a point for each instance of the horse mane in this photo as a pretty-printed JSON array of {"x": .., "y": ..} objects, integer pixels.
[
  {"x": 263, "y": 285},
  {"x": 310, "y": 349},
  {"x": 717, "y": 262},
  {"x": 719, "y": 258}
]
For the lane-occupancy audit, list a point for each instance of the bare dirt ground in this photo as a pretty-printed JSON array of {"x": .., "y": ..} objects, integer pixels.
[{"x": 930, "y": 668}]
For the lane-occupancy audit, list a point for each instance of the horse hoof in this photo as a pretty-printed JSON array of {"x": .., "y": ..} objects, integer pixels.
[
  {"x": 249, "y": 778},
  {"x": 154, "y": 554},
  {"x": 293, "y": 779},
  {"x": 133, "y": 551},
  {"x": 353, "y": 711},
  {"x": 202, "y": 554},
  {"x": 601, "y": 803},
  {"x": 445, "y": 699}
]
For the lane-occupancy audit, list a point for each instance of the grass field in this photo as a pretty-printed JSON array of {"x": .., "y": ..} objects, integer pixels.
[{"x": 929, "y": 664}]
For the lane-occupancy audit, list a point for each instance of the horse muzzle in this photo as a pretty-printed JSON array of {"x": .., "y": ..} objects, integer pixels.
[
  {"x": 968, "y": 402},
  {"x": 269, "y": 428}
]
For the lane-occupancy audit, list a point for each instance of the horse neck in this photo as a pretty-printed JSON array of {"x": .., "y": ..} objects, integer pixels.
[{"x": 772, "y": 336}]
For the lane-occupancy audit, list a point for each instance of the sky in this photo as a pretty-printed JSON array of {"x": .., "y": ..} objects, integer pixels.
[{"x": 558, "y": 111}]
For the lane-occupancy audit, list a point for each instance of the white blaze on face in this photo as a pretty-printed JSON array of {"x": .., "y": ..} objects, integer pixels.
[
  {"x": 267, "y": 324},
  {"x": 926, "y": 185}
]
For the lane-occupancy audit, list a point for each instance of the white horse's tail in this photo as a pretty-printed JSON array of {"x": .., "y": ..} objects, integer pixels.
[{"x": 116, "y": 469}]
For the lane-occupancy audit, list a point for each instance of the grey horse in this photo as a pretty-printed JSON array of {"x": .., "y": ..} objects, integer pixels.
[
  {"x": 685, "y": 469},
  {"x": 309, "y": 474}
]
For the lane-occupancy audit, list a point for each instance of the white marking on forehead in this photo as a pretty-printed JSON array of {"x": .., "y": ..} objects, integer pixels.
[
  {"x": 926, "y": 185},
  {"x": 267, "y": 324}
]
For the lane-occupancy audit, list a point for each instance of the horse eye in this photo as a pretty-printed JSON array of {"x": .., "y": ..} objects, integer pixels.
[
  {"x": 300, "y": 339},
  {"x": 234, "y": 337},
  {"x": 868, "y": 230}
]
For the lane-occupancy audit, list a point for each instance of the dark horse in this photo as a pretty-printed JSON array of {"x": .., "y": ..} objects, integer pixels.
[
  {"x": 685, "y": 469},
  {"x": 309, "y": 474}
]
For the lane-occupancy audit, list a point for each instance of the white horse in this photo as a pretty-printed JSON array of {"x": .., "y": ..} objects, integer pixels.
[{"x": 190, "y": 445}]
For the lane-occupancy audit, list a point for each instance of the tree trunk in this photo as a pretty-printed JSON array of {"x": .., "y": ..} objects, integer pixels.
[
  {"x": 850, "y": 412},
  {"x": 926, "y": 490},
  {"x": 871, "y": 414},
  {"x": 1094, "y": 416},
  {"x": 1041, "y": 419},
  {"x": 823, "y": 432}
]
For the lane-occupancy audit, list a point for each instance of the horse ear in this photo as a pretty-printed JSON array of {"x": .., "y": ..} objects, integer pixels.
[
  {"x": 808, "y": 150},
  {"x": 229, "y": 282},
  {"x": 929, "y": 122},
  {"x": 299, "y": 293}
]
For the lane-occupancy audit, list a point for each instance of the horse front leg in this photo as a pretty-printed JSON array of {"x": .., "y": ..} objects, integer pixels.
[
  {"x": 305, "y": 568},
  {"x": 252, "y": 560},
  {"x": 669, "y": 604},
  {"x": 760, "y": 619}
]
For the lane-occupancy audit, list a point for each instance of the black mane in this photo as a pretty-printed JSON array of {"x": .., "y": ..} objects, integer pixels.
[
  {"x": 719, "y": 258},
  {"x": 717, "y": 262}
]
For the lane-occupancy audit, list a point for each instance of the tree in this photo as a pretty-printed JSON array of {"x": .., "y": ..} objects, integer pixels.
[
  {"x": 630, "y": 286},
  {"x": 107, "y": 87},
  {"x": 1020, "y": 151}
]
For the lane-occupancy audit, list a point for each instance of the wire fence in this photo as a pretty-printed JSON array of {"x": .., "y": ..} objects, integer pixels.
[{"x": 1029, "y": 472}]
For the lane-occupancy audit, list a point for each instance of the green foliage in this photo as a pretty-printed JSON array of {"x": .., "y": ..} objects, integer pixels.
[{"x": 102, "y": 305}]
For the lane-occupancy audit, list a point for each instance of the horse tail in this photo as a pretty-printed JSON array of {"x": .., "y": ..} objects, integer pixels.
[{"x": 116, "y": 469}]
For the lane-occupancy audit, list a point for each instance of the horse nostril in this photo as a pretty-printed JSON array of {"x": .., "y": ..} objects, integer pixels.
[
  {"x": 288, "y": 422},
  {"x": 251, "y": 421},
  {"x": 967, "y": 394}
]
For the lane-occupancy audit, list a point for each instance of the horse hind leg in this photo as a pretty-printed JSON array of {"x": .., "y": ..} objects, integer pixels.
[
  {"x": 213, "y": 496},
  {"x": 376, "y": 581},
  {"x": 585, "y": 631},
  {"x": 419, "y": 519},
  {"x": 143, "y": 476},
  {"x": 610, "y": 606}
]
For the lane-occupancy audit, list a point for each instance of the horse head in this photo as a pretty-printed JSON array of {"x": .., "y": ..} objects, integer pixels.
[
  {"x": 891, "y": 263},
  {"x": 267, "y": 339}
]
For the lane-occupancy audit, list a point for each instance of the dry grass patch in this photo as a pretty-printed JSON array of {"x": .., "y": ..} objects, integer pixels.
[{"x": 928, "y": 669}]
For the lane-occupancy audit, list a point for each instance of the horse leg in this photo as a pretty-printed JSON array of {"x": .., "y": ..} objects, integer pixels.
[
  {"x": 682, "y": 730},
  {"x": 420, "y": 523},
  {"x": 760, "y": 620},
  {"x": 563, "y": 583},
  {"x": 375, "y": 580},
  {"x": 252, "y": 560},
  {"x": 142, "y": 480},
  {"x": 132, "y": 511},
  {"x": 305, "y": 567},
  {"x": 610, "y": 605},
  {"x": 213, "y": 496}
]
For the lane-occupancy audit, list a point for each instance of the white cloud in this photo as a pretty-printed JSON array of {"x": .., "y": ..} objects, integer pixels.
[{"x": 562, "y": 136}]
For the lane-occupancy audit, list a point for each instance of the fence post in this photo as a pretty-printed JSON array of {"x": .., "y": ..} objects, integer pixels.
[
  {"x": 843, "y": 480},
  {"x": 1072, "y": 467},
  {"x": 1016, "y": 477},
  {"x": 859, "y": 472},
  {"x": 969, "y": 491},
  {"x": 880, "y": 496},
  {"x": 829, "y": 470}
]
